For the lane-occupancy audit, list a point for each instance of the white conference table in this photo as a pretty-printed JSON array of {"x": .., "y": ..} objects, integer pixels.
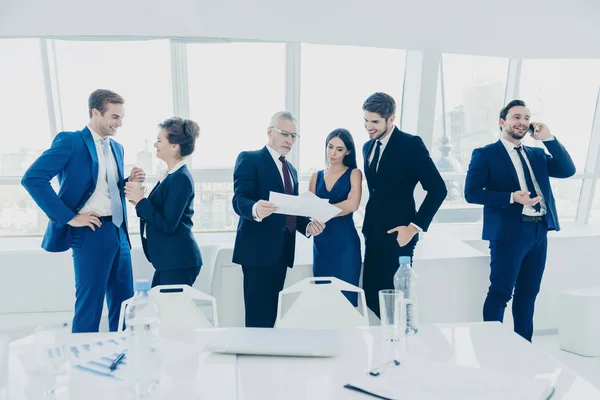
[{"x": 191, "y": 373}]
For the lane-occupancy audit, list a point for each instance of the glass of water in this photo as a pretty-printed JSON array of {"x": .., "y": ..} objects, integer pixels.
[
  {"x": 47, "y": 365},
  {"x": 391, "y": 315}
]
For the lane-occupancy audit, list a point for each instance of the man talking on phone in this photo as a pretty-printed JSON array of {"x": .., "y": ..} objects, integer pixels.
[{"x": 512, "y": 181}]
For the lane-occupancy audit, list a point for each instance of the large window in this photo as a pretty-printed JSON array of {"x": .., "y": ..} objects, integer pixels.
[
  {"x": 566, "y": 193},
  {"x": 335, "y": 82},
  {"x": 23, "y": 107},
  {"x": 26, "y": 131},
  {"x": 140, "y": 72},
  {"x": 473, "y": 94},
  {"x": 562, "y": 94},
  {"x": 470, "y": 96},
  {"x": 595, "y": 211},
  {"x": 234, "y": 89}
]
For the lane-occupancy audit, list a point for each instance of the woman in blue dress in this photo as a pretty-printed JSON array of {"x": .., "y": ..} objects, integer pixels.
[{"x": 336, "y": 251}]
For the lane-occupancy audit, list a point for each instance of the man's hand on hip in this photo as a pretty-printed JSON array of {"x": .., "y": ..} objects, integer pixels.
[
  {"x": 404, "y": 234},
  {"x": 89, "y": 219}
]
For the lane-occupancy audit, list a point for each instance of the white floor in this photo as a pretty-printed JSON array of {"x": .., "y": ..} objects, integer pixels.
[{"x": 587, "y": 367}]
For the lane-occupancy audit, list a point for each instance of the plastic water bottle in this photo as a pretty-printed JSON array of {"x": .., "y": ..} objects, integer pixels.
[
  {"x": 143, "y": 360},
  {"x": 405, "y": 280}
]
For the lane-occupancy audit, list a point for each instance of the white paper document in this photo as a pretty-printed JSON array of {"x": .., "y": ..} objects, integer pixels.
[
  {"x": 305, "y": 205},
  {"x": 450, "y": 382}
]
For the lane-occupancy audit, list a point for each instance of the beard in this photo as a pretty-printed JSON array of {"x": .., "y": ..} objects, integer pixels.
[
  {"x": 515, "y": 135},
  {"x": 383, "y": 132}
]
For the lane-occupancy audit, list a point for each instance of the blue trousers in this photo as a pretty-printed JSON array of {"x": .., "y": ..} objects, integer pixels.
[
  {"x": 102, "y": 261},
  {"x": 517, "y": 265}
]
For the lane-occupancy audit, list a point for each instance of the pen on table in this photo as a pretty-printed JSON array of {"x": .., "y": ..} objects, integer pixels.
[
  {"x": 75, "y": 351},
  {"x": 117, "y": 360},
  {"x": 378, "y": 370}
]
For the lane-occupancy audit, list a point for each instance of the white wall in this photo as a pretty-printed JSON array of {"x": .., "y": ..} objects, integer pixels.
[{"x": 508, "y": 28}]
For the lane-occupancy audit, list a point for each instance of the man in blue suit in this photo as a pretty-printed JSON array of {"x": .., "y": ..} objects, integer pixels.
[
  {"x": 265, "y": 242},
  {"x": 88, "y": 214},
  {"x": 512, "y": 181}
]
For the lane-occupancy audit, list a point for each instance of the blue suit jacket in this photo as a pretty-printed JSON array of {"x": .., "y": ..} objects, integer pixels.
[
  {"x": 260, "y": 243},
  {"x": 74, "y": 159},
  {"x": 492, "y": 179},
  {"x": 166, "y": 217}
]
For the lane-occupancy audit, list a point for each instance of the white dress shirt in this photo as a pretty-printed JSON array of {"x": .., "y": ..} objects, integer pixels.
[
  {"x": 384, "y": 141},
  {"x": 163, "y": 174},
  {"x": 99, "y": 201},
  {"x": 279, "y": 165},
  {"x": 514, "y": 157}
]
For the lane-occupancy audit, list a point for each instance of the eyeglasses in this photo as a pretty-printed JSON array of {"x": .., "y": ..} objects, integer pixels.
[{"x": 285, "y": 134}]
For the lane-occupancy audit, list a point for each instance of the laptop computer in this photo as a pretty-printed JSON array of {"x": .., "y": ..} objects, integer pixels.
[{"x": 276, "y": 342}]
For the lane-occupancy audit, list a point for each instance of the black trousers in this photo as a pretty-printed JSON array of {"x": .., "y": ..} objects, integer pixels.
[
  {"x": 262, "y": 285},
  {"x": 179, "y": 276},
  {"x": 380, "y": 265}
]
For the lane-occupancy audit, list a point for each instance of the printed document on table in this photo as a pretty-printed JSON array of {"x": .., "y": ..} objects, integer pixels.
[
  {"x": 450, "y": 382},
  {"x": 305, "y": 205}
]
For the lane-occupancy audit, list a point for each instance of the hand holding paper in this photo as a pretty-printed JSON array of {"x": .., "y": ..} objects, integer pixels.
[
  {"x": 315, "y": 228},
  {"x": 264, "y": 209},
  {"x": 305, "y": 205}
]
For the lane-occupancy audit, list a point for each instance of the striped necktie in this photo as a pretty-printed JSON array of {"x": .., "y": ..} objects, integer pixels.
[{"x": 113, "y": 189}]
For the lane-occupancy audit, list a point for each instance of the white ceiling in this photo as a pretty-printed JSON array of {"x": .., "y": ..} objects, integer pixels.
[{"x": 508, "y": 28}]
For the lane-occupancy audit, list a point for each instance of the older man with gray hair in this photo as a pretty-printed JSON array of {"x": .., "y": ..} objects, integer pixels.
[{"x": 265, "y": 242}]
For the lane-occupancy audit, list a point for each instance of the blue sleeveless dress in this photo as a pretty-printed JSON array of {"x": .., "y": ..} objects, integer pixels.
[{"x": 336, "y": 251}]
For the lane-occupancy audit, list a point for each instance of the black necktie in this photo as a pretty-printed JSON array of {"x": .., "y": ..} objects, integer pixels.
[
  {"x": 375, "y": 160},
  {"x": 290, "y": 220},
  {"x": 528, "y": 179}
]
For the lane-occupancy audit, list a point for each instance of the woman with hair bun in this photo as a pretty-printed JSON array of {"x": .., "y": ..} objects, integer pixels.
[{"x": 166, "y": 214}]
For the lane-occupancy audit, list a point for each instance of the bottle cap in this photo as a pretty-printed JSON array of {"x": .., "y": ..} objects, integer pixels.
[
  {"x": 404, "y": 260},
  {"x": 142, "y": 285}
]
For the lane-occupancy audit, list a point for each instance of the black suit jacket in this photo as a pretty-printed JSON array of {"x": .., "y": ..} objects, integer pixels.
[
  {"x": 166, "y": 217},
  {"x": 404, "y": 163},
  {"x": 260, "y": 243}
]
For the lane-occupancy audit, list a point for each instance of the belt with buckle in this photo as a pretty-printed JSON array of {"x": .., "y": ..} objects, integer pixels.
[
  {"x": 106, "y": 218},
  {"x": 534, "y": 219}
]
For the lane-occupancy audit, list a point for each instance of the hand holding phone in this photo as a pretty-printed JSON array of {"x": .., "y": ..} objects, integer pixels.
[
  {"x": 539, "y": 131},
  {"x": 532, "y": 131}
]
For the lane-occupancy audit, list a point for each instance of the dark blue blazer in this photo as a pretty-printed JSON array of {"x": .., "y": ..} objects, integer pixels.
[
  {"x": 166, "y": 217},
  {"x": 492, "y": 178},
  {"x": 260, "y": 243},
  {"x": 404, "y": 163},
  {"x": 74, "y": 159}
]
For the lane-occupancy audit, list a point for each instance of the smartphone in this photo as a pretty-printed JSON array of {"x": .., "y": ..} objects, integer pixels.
[{"x": 532, "y": 129}]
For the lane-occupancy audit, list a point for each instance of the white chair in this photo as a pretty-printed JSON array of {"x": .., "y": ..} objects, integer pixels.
[
  {"x": 177, "y": 309},
  {"x": 322, "y": 305},
  {"x": 578, "y": 322}
]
